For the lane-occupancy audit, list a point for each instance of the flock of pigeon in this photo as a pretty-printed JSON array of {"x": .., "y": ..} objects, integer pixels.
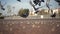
[{"x": 36, "y": 2}]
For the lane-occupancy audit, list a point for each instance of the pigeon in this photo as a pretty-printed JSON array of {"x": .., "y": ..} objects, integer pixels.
[
  {"x": 36, "y": 9},
  {"x": 58, "y": 1},
  {"x": 38, "y": 2},
  {"x": 2, "y": 7},
  {"x": 53, "y": 15},
  {"x": 19, "y": 0},
  {"x": 42, "y": 0}
]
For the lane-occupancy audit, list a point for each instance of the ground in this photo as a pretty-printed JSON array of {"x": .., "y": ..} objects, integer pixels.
[{"x": 29, "y": 26}]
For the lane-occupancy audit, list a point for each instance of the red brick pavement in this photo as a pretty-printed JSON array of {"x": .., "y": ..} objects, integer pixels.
[{"x": 30, "y": 26}]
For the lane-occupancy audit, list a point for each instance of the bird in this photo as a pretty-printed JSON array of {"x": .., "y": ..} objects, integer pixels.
[
  {"x": 36, "y": 9},
  {"x": 42, "y": 0},
  {"x": 2, "y": 6},
  {"x": 38, "y": 2},
  {"x": 35, "y": 2},
  {"x": 19, "y": 0},
  {"x": 53, "y": 15},
  {"x": 58, "y": 1},
  {"x": 47, "y": 5}
]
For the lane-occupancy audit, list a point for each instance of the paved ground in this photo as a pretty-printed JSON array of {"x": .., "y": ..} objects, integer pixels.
[
  {"x": 30, "y": 26},
  {"x": 32, "y": 17}
]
